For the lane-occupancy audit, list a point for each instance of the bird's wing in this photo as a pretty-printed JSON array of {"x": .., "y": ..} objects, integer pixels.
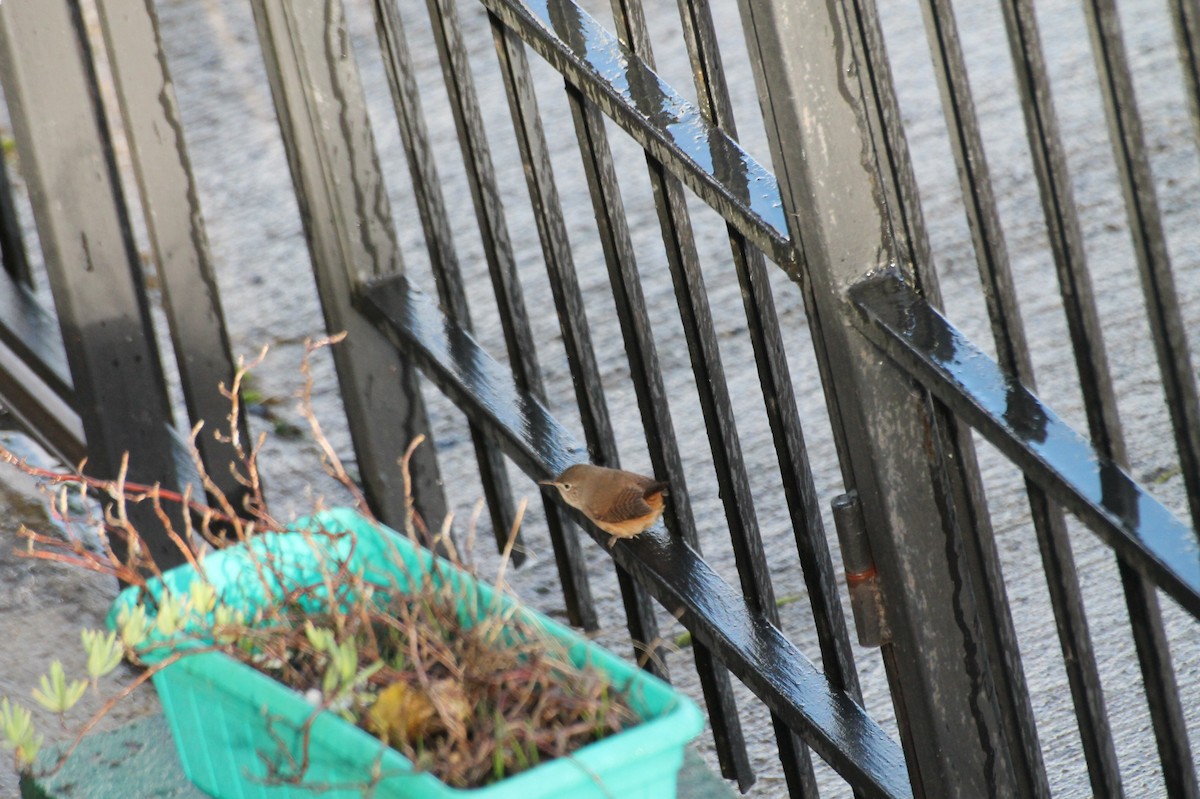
[
  {"x": 629, "y": 504},
  {"x": 654, "y": 487}
]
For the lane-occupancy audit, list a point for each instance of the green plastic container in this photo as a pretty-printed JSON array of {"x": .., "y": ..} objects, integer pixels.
[{"x": 228, "y": 719}]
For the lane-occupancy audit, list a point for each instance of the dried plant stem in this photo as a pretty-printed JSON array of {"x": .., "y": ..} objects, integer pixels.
[
  {"x": 329, "y": 457},
  {"x": 510, "y": 543},
  {"x": 493, "y": 693},
  {"x": 133, "y": 492}
]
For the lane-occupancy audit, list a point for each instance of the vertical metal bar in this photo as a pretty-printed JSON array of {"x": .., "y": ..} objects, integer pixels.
[
  {"x": 1063, "y": 229},
  {"x": 818, "y": 115},
  {"x": 531, "y": 141},
  {"x": 991, "y": 252},
  {"x": 176, "y": 230},
  {"x": 1185, "y": 16},
  {"x": 518, "y": 338},
  {"x": 1013, "y": 355},
  {"x": 1104, "y": 425},
  {"x": 431, "y": 206},
  {"x": 568, "y": 300},
  {"x": 1149, "y": 240},
  {"x": 652, "y": 403},
  {"x": 346, "y": 215},
  {"x": 472, "y": 140},
  {"x": 1174, "y": 360},
  {"x": 1159, "y": 683},
  {"x": 716, "y": 407},
  {"x": 12, "y": 245},
  {"x": 775, "y": 378},
  {"x": 55, "y": 108},
  {"x": 1079, "y": 659}
]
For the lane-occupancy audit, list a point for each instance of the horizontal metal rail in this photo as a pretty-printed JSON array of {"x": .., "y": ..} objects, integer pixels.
[
  {"x": 1054, "y": 455},
  {"x": 665, "y": 124},
  {"x": 39, "y": 409},
  {"x": 35, "y": 382},
  {"x": 32, "y": 333},
  {"x": 829, "y": 720}
]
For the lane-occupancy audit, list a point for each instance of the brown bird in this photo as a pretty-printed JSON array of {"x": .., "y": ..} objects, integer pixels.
[{"x": 622, "y": 504}]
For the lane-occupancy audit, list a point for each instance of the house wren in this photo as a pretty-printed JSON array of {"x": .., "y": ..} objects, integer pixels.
[{"x": 620, "y": 503}]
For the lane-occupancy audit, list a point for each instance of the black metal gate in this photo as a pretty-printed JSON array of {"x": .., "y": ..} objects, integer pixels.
[{"x": 928, "y": 567}]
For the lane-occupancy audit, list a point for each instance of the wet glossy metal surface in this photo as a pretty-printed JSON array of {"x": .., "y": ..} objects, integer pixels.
[
  {"x": 832, "y": 723},
  {"x": 1119, "y": 510},
  {"x": 647, "y": 379},
  {"x": 714, "y": 165},
  {"x": 1131, "y": 155},
  {"x": 1079, "y": 308}
]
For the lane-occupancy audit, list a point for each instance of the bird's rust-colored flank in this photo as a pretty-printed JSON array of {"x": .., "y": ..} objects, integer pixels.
[{"x": 622, "y": 504}]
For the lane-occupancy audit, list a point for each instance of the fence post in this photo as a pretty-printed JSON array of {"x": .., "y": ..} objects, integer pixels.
[
  {"x": 897, "y": 447},
  {"x": 175, "y": 226},
  {"x": 99, "y": 295},
  {"x": 351, "y": 237}
]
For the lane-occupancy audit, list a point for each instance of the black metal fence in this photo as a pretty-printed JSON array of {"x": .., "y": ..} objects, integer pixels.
[{"x": 838, "y": 211}]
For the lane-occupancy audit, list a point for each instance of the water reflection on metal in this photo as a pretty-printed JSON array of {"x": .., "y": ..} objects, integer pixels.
[
  {"x": 673, "y": 130},
  {"x": 830, "y": 721},
  {"x": 1049, "y": 451}
]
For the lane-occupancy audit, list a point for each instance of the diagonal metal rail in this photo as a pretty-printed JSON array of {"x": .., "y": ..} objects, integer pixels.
[
  {"x": 656, "y": 116},
  {"x": 828, "y": 719},
  {"x": 1043, "y": 446}
]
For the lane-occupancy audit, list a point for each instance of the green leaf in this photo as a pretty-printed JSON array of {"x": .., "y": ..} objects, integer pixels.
[
  {"x": 345, "y": 659},
  {"x": 341, "y": 671},
  {"x": 321, "y": 639},
  {"x": 227, "y": 624},
  {"x": 169, "y": 618},
  {"x": 16, "y": 725},
  {"x": 133, "y": 626},
  {"x": 103, "y": 653},
  {"x": 202, "y": 598},
  {"x": 55, "y": 694},
  {"x": 367, "y": 673}
]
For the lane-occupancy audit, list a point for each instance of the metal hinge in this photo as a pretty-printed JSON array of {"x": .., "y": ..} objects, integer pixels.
[{"x": 862, "y": 581}]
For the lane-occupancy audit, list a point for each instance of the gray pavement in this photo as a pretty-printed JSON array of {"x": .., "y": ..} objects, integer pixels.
[{"x": 269, "y": 299}]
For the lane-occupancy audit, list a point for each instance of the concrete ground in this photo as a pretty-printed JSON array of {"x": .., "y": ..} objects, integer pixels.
[
  {"x": 269, "y": 298},
  {"x": 43, "y": 606},
  {"x": 135, "y": 763}
]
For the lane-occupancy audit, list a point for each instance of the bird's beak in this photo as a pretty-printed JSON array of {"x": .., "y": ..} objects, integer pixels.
[{"x": 547, "y": 483}]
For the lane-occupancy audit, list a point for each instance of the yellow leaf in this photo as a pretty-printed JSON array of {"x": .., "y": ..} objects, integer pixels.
[{"x": 401, "y": 714}]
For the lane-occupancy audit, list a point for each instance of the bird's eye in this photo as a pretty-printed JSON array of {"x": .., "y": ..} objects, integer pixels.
[{"x": 566, "y": 486}]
